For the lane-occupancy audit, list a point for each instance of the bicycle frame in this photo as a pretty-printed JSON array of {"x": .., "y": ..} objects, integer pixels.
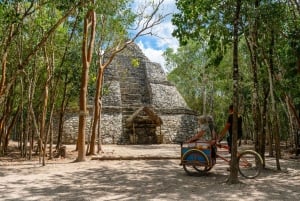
[
  {"x": 226, "y": 147},
  {"x": 243, "y": 161}
]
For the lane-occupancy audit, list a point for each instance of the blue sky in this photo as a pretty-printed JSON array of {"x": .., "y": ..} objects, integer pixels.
[{"x": 152, "y": 46}]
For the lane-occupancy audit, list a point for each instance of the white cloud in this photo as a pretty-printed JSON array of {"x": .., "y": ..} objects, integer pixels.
[
  {"x": 165, "y": 38},
  {"x": 152, "y": 54}
]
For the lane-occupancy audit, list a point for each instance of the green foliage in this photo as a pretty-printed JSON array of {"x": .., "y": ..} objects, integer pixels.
[
  {"x": 210, "y": 24},
  {"x": 114, "y": 20},
  {"x": 193, "y": 76},
  {"x": 204, "y": 30},
  {"x": 204, "y": 21},
  {"x": 135, "y": 62},
  {"x": 30, "y": 23}
]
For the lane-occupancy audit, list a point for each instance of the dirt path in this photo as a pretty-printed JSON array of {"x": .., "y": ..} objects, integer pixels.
[{"x": 140, "y": 179}]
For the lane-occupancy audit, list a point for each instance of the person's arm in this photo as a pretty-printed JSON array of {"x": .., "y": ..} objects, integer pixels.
[
  {"x": 196, "y": 137},
  {"x": 224, "y": 131}
]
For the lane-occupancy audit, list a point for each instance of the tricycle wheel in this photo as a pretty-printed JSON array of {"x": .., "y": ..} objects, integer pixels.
[
  {"x": 195, "y": 162},
  {"x": 207, "y": 168},
  {"x": 250, "y": 164}
]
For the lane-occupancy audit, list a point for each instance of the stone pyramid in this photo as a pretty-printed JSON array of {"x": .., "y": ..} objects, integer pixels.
[{"x": 140, "y": 106}]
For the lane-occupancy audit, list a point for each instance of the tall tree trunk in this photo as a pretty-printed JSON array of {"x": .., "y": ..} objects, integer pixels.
[
  {"x": 53, "y": 92},
  {"x": 65, "y": 99},
  {"x": 50, "y": 130},
  {"x": 87, "y": 51},
  {"x": 252, "y": 44},
  {"x": 61, "y": 115},
  {"x": 99, "y": 145},
  {"x": 43, "y": 136},
  {"x": 233, "y": 178},
  {"x": 98, "y": 96},
  {"x": 36, "y": 131},
  {"x": 5, "y": 121},
  {"x": 271, "y": 137},
  {"x": 273, "y": 114},
  {"x": 22, "y": 127},
  {"x": 29, "y": 117},
  {"x": 264, "y": 128},
  {"x": 10, "y": 127},
  {"x": 97, "y": 110},
  {"x": 5, "y": 45},
  {"x": 204, "y": 92},
  {"x": 274, "y": 117}
]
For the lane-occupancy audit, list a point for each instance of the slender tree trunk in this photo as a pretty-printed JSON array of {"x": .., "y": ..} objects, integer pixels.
[
  {"x": 252, "y": 44},
  {"x": 273, "y": 115},
  {"x": 97, "y": 110},
  {"x": 64, "y": 101},
  {"x": 43, "y": 134},
  {"x": 10, "y": 127},
  {"x": 292, "y": 107},
  {"x": 4, "y": 123},
  {"x": 1, "y": 138},
  {"x": 273, "y": 103},
  {"x": 53, "y": 90},
  {"x": 7, "y": 42},
  {"x": 26, "y": 130},
  {"x": 292, "y": 128},
  {"x": 87, "y": 51},
  {"x": 233, "y": 178},
  {"x": 99, "y": 145},
  {"x": 61, "y": 115},
  {"x": 50, "y": 130},
  {"x": 98, "y": 97},
  {"x": 36, "y": 131},
  {"x": 21, "y": 136},
  {"x": 29, "y": 118},
  {"x": 264, "y": 130},
  {"x": 271, "y": 138},
  {"x": 204, "y": 101},
  {"x": 22, "y": 120}
]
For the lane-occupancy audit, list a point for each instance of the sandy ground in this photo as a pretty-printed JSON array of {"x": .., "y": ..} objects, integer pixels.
[{"x": 62, "y": 179}]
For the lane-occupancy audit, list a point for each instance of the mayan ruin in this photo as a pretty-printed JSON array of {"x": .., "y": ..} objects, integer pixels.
[{"x": 141, "y": 106}]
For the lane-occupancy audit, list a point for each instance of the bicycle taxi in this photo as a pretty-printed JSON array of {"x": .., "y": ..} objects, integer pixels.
[{"x": 199, "y": 157}]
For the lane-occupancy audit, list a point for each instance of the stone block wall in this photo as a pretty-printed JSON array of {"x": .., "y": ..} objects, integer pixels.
[
  {"x": 111, "y": 127},
  {"x": 131, "y": 87},
  {"x": 177, "y": 128},
  {"x": 70, "y": 129}
]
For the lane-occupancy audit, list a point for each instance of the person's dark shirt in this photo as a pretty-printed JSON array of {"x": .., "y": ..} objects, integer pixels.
[{"x": 240, "y": 121}]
